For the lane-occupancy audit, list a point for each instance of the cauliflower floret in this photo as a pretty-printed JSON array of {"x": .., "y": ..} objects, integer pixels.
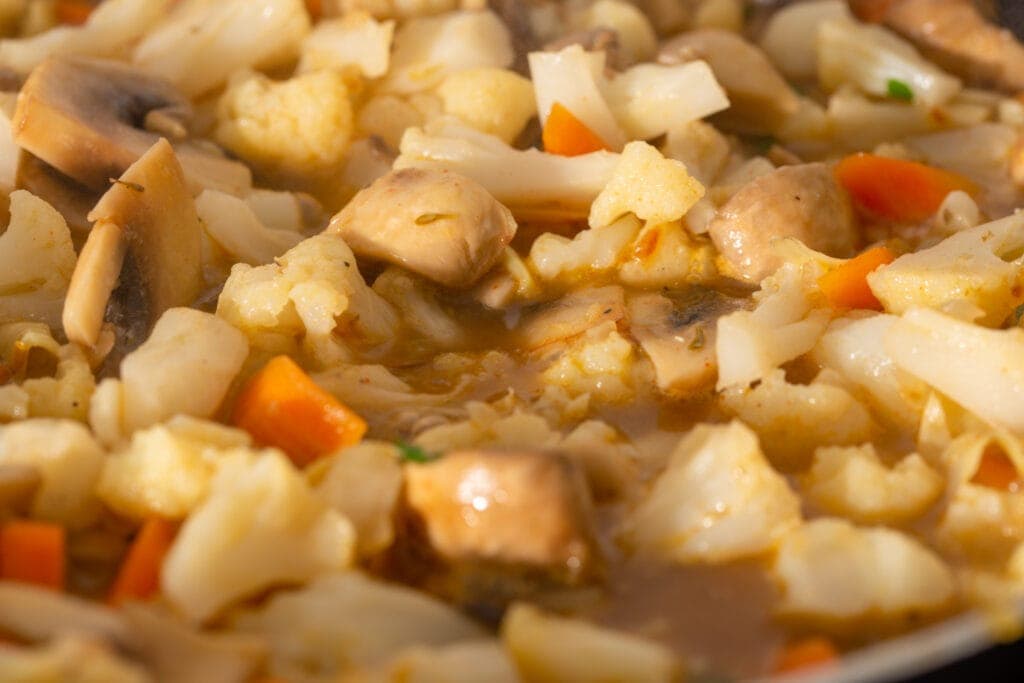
[
  {"x": 648, "y": 185},
  {"x": 979, "y": 368},
  {"x": 792, "y": 419},
  {"x": 185, "y": 367},
  {"x": 666, "y": 255},
  {"x": 36, "y": 262},
  {"x": 68, "y": 393},
  {"x": 362, "y": 482},
  {"x": 831, "y": 570},
  {"x": 599, "y": 362},
  {"x": 428, "y": 49},
  {"x": 295, "y": 128},
  {"x": 968, "y": 266},
  {"x": 67, "y": 458},
  {"x": 855, "y": 349},
  {"x": 355, "y": 39},
  {"x": 854, "y": 483},
  {"x": 167, "y": 469},
  {"x": 546, "y": 647},
  {"x": 495, "y": 101},
  {"x": 348, "y": 619},
  {"x": 589, "y": 251},
  {"x": 785, "y": 324},
  {"x": 719, "y": 500},
  {"x": 311, "y": 290},
  {"x": 261, "y": 525}
]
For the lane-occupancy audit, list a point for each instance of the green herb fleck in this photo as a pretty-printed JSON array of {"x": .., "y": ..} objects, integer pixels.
[
  {"x": 698, "y": 338},
  {"x": 898, "y": 90},
  {"x": 412, "y": 453}
]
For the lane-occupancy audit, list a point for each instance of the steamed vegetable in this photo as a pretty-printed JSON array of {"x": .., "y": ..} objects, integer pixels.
[
  {"x": 566, "y": 135},
  {"x": 32, "y": 552},
  {"x": 139, "y": 575},
  {"x": 282, "y": 407},
  {"x": 846, "y": 286}
]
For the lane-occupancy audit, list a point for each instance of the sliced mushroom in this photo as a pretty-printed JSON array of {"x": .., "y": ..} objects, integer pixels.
[
  {"x": 85, "y": 117},
  {"x": 761, "y": 99},
  {"x": 501, "y": 523},
  {"x": 956, "y": 35},
  {"x": 571, "y": 315},
  {"x": 802, "y": 201},
  {"x": 437, "y": 223},
  {"x": 149, "y": 213},
  {"x": 72, "y": 200},
  {"x": 677, "y": 332}
]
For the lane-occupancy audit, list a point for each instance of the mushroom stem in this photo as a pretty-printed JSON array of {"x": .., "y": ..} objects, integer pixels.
[{"x": 95, "y": 277}]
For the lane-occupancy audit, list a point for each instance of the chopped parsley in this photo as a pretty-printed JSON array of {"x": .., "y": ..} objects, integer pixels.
[
  {"x": 898, "y": 90},
  {"x": 412, "y": 453}
]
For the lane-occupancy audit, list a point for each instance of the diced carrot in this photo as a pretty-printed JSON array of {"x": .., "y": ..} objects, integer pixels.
[
  {"x": 281, "y": 406},
  {"x": 898, "y": 190},
  {"x": 996, "y": 470},
  {"x": 566, "y": 135},
  {"x": 32, "y": 552},
  {"x": 74, "y": 12},
  {"x": 806, "y": 653},
  {"x": 139, "y": 576},
  {"x": 846, "y": 286}
]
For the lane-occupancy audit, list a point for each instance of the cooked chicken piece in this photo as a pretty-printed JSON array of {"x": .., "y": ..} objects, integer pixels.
[
  {"x": 504, "y": 513},
  {"x": 761, "y": 99},
  {"x": 148, "y": 213},
  {"x": 802, "y": 201},
  {"x": 956, "y": 35},
  {"x": 84, "y": 117},
  {"x": 677, "y": 332},
  {"x": 439, "y": 224}
]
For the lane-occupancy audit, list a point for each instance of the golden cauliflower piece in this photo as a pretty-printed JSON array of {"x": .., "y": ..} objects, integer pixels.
[
  {"x": 648, "y": 185},
  {"x": 495, "y": 101},
  {"x": 297, "y": 127}
]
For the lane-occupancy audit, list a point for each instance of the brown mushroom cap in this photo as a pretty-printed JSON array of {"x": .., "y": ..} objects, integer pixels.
[{"x": 86, "y": 118}]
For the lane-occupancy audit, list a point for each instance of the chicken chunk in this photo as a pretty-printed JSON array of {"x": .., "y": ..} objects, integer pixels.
[
  {"x": 505, "y": 511},
  {"x": 958, "y": 37},
  {"x": 439, "y": 224},
  {"x": 803, "y": 201}
]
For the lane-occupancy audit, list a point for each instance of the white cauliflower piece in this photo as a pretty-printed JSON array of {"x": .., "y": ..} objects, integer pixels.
[
  {"x": 68, "y": 393},
  {"x": 531, "y": 183},
  {"x": 496, "y": 101},
  {"x": 353, "y": 40},
  {"x": 36, "y": 262},
  {"x": 311, "y": 290},
  {"x": 235, "y": 227},
  {"x": 718, "y": 500},
  {"x": 416, "y": 300},
  {"x": 792, "y": 419},
  {"x": 347, "y": 619},
  {"x": 185, "y": 367},
  {"x": 786, "y": 323},
  {"x": 203, "y": 43},
  {"x": 599, "y": 362},
  {"x": 648, "y": 185},
  {"x": 294, "y": 128},
  {"x": 595, "y": 250},
  {"x": 261, "y": 525},
  {"x": 981, "y": 522},
  {"x": 853, "y": 482},
  {"x": 546, "y": 647},
  {"x": 666, "y": 255},
  {"x": 428, "y": 49},
  {"x": 167, "y": 469},
  {"x": 831, "y": 570},
  {"x": 971, "y": 265},
  {"x": 979, "y": 368},
  {"x": 362, "y": 483},
  {"x": 68, "y": 460},
  {"x": 700, "y": 146},
  {"x": 855, "y": 348}
]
